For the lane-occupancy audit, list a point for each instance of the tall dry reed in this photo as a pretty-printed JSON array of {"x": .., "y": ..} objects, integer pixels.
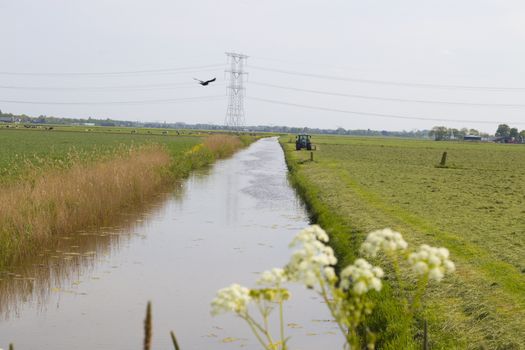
[
  {"x": 222, "y": 145},
  {"x": 62, "y": 201}
]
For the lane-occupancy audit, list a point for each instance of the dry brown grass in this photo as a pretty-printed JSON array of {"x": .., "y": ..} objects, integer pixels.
[
  {"x": 222, "y": 145},
  {"x": 62, "y": 201}
]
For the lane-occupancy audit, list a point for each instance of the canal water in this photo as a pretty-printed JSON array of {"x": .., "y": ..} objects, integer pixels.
[{"x": 222, "y": 225}]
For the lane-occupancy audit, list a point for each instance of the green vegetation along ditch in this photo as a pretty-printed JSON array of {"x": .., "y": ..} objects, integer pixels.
[
  {"x": 57, "y": 182},
  {"x": 474, "y": 207}
]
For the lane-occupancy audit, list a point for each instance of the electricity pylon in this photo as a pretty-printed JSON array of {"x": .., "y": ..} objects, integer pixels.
[{"x": 235, "y": 111}]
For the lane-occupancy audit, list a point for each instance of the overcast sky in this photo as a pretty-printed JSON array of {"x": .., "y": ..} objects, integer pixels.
[{"x": 476, "y": 43}]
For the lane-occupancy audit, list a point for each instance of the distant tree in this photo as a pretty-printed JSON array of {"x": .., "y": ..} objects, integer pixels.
[
  {"x": 439, "y": 133},
  {"x": 473, "y": 132},
  {"x": 462, "y": 133},
  {"x": 503, "y": 130},
  {"x": 40, "y": 120},
  {"x": 484, "y": 135},
  {"x": 514, "y": 133},
  {"x": 522, "y": 136}
]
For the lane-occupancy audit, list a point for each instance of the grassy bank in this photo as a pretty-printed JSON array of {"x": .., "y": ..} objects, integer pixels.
[
  {"x": 474, "y": 207},
  {"x": 24, "y": 153},
  {"x": 88, "y": 183}
]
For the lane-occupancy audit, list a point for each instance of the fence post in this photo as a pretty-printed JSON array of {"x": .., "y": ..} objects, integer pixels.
[
  {"x": 147, "y": 328},
  {"x": 311, "y": 156},
  {"x": 174, "y": 340},
  {"x": 443, "y": 159}
]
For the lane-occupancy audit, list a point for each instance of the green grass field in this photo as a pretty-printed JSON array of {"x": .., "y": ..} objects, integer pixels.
[
  {"x": 55, "y": 181},
  {"x": 475, "y": 207},
  {"x": 22, "y": 149}
]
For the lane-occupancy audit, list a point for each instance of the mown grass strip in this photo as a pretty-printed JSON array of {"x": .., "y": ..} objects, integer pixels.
[
  {"x": 394, "y": 329},
  {"x": 483, "y": 304},
  {"x": 507, "y": 275}
]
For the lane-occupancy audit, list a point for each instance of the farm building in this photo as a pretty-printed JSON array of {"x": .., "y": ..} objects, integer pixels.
[
  {"x": 471, "y": 138},
  {"x": 6, "y": 119}
]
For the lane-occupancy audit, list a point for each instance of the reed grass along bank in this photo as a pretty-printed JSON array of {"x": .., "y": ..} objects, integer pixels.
[{"x": 59, "y": 201}]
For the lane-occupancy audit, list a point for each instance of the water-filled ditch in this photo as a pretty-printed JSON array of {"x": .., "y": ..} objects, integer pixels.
[{"x": 224, "y": 224}]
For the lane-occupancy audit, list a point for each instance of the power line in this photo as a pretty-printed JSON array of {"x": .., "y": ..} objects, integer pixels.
[
  {"x": 391, "y": 83},
  {"x": 192, "y": 69},
  {"x": 303, "y": 63},
  {"x": 393, "y": 99},
  {"x": 169, "y": 100},
  {"x": 116, "y": 87},
  {"x": 382, "y": 115}
]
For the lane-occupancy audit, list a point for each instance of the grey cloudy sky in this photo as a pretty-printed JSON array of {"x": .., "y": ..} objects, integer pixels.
[{"x": 478, "y": 43}]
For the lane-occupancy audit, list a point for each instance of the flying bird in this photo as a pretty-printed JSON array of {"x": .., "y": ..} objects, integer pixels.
[{"x": 204, "y": 83}]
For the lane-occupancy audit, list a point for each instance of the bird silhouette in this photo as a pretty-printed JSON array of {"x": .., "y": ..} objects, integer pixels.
[{"x": 204, "y": 83}]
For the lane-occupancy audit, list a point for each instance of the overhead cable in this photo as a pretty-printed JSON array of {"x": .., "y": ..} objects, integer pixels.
[
  {"x": 115, "y": 87},
  {"x": 393, "y": 99},
  {"x": 191, "y": 69},
  {"x": 389, "y": 82},
  {"x": 372, "y": 114},
  {"x": 168, "y": 100}
]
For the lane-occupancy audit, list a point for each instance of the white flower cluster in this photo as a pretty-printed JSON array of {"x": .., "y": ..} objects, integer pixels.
[
  {"x": 386, "y": 240},
  {"x": 362, "y": 277},
  {"x": 314, "y": 259},
  {"x": 311, "y": 233},
  {"x": 431, "y": 260},
  {"x": 233, "y": 298},
  {"x": 273, "y": 277}
]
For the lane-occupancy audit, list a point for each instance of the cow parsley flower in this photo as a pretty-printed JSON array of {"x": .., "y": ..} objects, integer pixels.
[
  {"x": 233, "y": 298},
  {"x": 330, "y": 275},
  {"x": 432, "y": 261},
  {"x": 386, "y": 240},
  {"x": 313, "y": 258},
  {"x": 361, "y": 277},
  {"x": 309, "y": 234},
  {"x": 273, "y": 277}
]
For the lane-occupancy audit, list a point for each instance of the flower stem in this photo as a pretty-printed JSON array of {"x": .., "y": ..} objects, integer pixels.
[
  {"x": 324, "y": 295},
  {"x": 264, "y": 330},
  {"x": 253, "y": 325},
  {"x": 281, "y": 320},
  {"x": 421, "y": 286}
]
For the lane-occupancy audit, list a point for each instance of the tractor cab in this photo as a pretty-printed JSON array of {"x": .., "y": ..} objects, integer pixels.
[{"x": 303, "y": 141}]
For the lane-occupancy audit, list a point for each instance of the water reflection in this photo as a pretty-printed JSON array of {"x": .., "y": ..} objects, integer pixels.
[{"x": 59, "y": 265}]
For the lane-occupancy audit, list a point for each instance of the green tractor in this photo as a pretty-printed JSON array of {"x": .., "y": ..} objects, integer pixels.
[{"x": 303, "y": 141}]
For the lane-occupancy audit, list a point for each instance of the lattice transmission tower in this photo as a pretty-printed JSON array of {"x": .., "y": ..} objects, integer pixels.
[{"x": 235, "y": 110}]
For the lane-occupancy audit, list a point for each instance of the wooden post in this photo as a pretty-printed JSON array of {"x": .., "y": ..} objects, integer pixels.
[
  {"x": 443, "y": 159},
  {"x": 174, "y": 340},
  {"x": 311, "y": 156},
  {"x": 147, "y": 328}
]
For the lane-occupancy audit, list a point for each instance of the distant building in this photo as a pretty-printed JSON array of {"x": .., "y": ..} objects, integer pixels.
[
  {"x": 471, "y": 138},
  {"x": 7, "y": 119},
  {"x": 506, "y": 139}
]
